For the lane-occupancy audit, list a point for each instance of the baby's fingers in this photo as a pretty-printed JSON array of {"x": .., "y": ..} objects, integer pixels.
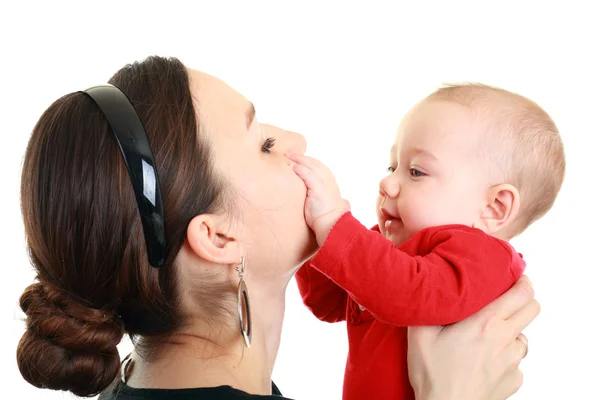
[
  {"x": 306, "y": 174},
  {"x": 307, "y": 161}
]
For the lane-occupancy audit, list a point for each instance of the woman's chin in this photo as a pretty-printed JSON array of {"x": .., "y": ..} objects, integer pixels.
[
  {"x": 311, "y": 246},
  {"x": 307, "y": 248}
]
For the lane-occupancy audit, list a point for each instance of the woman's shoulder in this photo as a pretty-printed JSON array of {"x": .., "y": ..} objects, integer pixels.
[{"x": 121, "y": 391}]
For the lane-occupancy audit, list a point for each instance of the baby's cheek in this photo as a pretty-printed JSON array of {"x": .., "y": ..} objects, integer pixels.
[
  {"x": 416, "y": 218},
  {"x": 462, "y": 211},
  {"x": 433, "y": 213}
]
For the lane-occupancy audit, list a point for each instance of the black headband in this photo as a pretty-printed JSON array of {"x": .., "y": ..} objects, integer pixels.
[{"x": 132, "y": 139}]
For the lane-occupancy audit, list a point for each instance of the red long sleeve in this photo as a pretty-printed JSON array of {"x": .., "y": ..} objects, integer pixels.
[
  {"x": 321, "y": 295},
  {"x": 441, "y": 275}
]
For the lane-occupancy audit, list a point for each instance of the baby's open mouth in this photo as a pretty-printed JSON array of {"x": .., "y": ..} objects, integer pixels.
[{"x": 392, "y": 224}]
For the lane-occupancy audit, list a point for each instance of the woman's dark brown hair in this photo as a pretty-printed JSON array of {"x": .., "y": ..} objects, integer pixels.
[{"x": 84, "y": 234}]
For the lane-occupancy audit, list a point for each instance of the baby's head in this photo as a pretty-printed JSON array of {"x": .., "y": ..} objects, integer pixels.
[{"x": 471, "y": 155}]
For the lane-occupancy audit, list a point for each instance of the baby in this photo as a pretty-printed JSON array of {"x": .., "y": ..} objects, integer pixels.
[{"x": 472, "y": 166}]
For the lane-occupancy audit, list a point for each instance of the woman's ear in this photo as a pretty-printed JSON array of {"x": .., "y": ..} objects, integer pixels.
[
  {"x": 502, "y": 207},
  {"x": 208, "y": 242}
]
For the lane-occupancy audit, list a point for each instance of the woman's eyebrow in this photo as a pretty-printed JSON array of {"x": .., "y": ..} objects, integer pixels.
[{"x": 250, "y": 112}]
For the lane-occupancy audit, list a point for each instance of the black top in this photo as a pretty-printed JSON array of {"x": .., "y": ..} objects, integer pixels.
[{"x": 123, "y": 392}]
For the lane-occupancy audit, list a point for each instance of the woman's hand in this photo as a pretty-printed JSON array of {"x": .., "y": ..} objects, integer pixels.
[{"x": 477, "y": 358}]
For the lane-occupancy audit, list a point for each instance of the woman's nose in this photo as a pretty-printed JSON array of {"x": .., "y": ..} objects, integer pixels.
[
  {"x": 297, "y": 143},
  {"x": 389, "y": 187}
]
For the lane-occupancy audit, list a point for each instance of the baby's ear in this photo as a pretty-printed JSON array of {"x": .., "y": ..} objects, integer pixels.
[
  {"x": 501, "y": 210},
  {"x": 210, "y": 243}
]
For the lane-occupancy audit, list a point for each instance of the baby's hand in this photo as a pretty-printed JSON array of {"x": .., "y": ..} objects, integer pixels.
[{"x": 324, "y": 204}]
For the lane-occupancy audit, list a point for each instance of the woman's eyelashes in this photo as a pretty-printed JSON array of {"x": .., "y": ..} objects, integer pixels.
[{"x": 267, "y": 145}]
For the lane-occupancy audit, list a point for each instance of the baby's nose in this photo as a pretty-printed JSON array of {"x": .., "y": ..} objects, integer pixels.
[{"x": 388, "y": 187}]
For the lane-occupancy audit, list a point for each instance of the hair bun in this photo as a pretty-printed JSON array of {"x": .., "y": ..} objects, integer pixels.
[{"x": 67, "y": 345}]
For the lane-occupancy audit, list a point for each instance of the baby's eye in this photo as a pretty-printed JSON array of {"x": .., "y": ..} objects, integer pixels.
[
  {"x": 391, "y": 169},
  {"x": 267, "y": 145},
  {"x": 415, "y": 173}
]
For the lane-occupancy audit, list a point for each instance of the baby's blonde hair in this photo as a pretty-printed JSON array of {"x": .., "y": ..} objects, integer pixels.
[{"x": 522, "y": 145}]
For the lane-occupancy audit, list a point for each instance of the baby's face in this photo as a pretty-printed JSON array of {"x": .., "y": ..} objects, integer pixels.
[{"x": 436, "y": 175}]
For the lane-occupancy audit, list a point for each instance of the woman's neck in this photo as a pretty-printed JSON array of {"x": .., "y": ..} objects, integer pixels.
[{"x": 208, "y": 354}]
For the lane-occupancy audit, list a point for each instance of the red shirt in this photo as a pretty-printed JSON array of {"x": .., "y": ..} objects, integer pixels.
[{"x": 439, "y": 276}]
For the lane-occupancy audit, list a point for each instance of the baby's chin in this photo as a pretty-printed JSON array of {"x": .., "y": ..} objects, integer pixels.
[{"x": 397, "y": 238}]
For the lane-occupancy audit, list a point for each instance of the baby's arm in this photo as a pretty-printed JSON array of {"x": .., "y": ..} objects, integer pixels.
[
  {"x": 321, "y": 295},
  {"x": 462, "y": 271}
]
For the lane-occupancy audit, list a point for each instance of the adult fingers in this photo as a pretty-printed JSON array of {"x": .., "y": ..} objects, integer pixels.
[
  {"x": 515, "y": 299},
  {"x": 524, "y": 316},
  {"x": 509, "y": 385}
]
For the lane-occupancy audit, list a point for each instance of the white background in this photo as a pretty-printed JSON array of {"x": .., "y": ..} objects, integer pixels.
[{"x": 343, "y": 76}]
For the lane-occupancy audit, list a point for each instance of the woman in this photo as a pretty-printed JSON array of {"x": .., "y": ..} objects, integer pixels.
[{"x": 215, "y": 209}]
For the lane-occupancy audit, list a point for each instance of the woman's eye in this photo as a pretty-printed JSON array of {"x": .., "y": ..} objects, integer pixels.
[
  {"x": 415, "y": 173},
  {"x": 267, "y": 145}
]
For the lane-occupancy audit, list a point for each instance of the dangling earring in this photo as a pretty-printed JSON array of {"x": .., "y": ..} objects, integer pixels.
[{"x": 244, "y": 301}]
